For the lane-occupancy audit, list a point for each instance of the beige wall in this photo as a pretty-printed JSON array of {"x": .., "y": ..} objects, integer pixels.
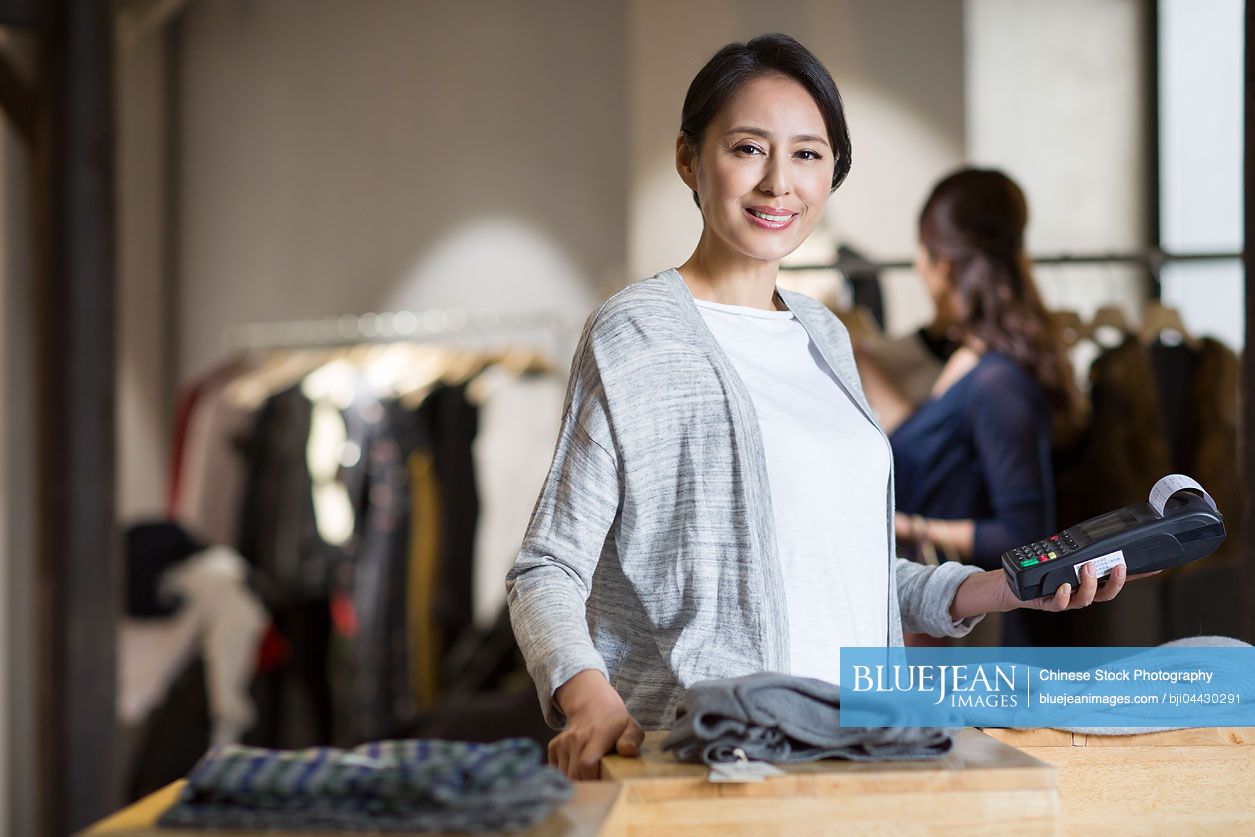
[
  {"x": 351, "y": 157},
  {"x": 1056, "y": 98},
  {"x": 143, "y": 367}
]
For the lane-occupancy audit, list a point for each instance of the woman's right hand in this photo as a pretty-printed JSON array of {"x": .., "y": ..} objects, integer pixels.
[{"x": 597, "y": 723}]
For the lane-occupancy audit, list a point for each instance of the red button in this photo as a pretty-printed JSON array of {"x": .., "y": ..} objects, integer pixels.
[{"x": 1054, "y": 537}]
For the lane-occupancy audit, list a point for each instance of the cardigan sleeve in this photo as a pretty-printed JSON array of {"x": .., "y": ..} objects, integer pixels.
[
  {"x": 548, "y": 587},
  {"x": 926, "y": 593}
]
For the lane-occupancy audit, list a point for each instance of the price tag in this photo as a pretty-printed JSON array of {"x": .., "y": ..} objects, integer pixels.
[
  {"x": 742, "y": 770},
  {"x": 1103, "y": 564}
]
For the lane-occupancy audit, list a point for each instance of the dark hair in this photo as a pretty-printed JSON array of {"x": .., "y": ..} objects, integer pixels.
[
  {"x": 975, "y": 219},
  {"x": 734, "y": 65}
]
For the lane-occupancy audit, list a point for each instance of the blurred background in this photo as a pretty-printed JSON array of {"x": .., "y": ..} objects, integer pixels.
[{"x": 290, "y": 288}]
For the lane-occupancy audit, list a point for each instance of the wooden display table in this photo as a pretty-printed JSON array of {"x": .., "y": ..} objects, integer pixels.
[
  {"x": 982, "y": 787},
  {"x": 1193, "y": 781},
  {"x": 584, "y": 816}
]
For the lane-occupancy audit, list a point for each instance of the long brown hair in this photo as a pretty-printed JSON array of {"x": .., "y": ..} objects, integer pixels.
[{"x": 975, "y": 220}]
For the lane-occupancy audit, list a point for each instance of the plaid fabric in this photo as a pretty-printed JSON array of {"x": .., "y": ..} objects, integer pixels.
[{"x": 413, "y": 785}]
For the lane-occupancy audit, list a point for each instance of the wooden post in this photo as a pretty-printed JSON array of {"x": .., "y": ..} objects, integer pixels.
[{"x": 77, "y": 550}]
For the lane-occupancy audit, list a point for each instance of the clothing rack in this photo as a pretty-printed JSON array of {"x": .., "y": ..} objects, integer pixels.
[
  {"x": 1152, "y": 258},
  {"x": 393, "y": 327}
]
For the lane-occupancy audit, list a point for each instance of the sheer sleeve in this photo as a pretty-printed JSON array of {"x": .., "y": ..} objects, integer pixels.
[{"x": 1010, "y": 423}]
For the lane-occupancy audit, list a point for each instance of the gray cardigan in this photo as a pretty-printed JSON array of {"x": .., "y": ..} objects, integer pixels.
[{"x": 651, "y": 553}]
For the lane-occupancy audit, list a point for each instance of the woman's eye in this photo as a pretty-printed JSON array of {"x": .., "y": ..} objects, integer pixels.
[
  {"x": 812, "y": 155},
  {"x": 746, "y": 148}
]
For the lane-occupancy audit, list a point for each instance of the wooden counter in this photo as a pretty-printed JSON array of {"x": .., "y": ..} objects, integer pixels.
[
  {"x": 982, "y": 787},
  {"x": 1193, "y": 781},
  {"x": 584, "y": 816},
  {"x": 995, "y": 782}
]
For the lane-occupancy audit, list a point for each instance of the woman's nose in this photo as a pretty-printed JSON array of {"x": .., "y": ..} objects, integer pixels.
[{"x": 775, "y": 180}]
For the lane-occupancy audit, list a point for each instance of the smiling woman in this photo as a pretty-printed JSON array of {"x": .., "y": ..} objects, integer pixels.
[{"x": 720, "y": 501}]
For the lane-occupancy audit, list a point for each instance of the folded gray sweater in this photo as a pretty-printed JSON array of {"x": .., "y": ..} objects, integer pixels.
[
  {"x": 776, "y": 717},
  {"x": 1185, "y": 661}
]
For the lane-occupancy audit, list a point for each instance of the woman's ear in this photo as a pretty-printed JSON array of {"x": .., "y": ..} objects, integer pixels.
[{"x": 686, "y": 162}]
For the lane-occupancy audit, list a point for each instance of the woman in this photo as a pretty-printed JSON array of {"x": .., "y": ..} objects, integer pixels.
[
  {"x": 720, "y": 500},
  {"x": 972, "y": 463}
]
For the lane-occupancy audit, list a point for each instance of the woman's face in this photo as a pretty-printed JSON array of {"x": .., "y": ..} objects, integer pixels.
[{"x": 764, "y": 171}]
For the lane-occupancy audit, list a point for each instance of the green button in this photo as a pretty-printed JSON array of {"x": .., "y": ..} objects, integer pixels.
[{"x": 1028, "y": 562}]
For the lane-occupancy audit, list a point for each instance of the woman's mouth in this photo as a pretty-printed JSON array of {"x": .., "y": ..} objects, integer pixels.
[{"x": 770, "y": 219}]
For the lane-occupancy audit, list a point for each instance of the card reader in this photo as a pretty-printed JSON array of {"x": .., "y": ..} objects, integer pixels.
[{"x": 1179, "y": 524}]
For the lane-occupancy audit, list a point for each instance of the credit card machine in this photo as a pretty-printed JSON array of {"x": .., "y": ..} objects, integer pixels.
[{"x": 1177, "y": 525}]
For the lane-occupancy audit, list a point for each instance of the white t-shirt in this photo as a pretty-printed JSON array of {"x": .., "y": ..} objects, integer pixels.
[{"x": 829, "y": 473}]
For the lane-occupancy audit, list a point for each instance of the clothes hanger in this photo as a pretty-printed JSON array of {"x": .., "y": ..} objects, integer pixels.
[
  {"x": 427, "y": 367},
  {"x": 283, "y": 368},
  {"x": 502, "y": 367},
  {"x": 1069, "y": 326},
  {"x": 1109, "y": 327},
  {"x": 1163, "y": 323}
]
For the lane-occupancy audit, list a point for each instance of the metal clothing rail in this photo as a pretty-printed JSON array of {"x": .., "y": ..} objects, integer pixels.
[
  {"x": 1153, "y": 258},
  {"x": 392, "y": 327}
]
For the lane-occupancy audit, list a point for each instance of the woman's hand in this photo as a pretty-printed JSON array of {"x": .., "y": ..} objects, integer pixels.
[
  {"x": 1065, "y": 599},
  {"x": 597, "y": 723},
  {"x": 990, "y": 592}
]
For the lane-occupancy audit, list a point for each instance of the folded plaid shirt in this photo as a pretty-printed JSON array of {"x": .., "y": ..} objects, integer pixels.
[{"x": 413, "y": 785}]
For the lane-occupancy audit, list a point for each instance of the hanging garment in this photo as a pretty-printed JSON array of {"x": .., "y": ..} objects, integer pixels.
[
  {"x": 152, "y": 549},
  {"x": 518, "y": 417},
  {"x": 214, "y": 471},
  {"x": 775, "y": 717},
  {"x": 221, "y": 619},
  {"x": 293, "y": 567},
  {"x": 426, "y": 648},
  {"x": 378, "y": 699},
  {"x": 1204, "y": 597},
  {"x": 190, "y": 402},
  {"x": 278, "y": 531},
  {"x": 415, "y": 785},
  {"x": 454, "y": 423},
  {"x": 1123, "y": 453}
]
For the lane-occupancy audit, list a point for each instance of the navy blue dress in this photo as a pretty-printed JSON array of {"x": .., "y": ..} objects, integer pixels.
[{"x": 981, "y": 451}]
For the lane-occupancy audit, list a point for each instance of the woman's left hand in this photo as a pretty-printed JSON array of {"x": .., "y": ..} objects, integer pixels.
[
  {"x": 990, "y": 592},
  {"x": 1069, "y": 598}
]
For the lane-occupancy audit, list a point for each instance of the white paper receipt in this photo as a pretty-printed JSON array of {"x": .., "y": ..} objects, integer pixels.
[
  {"x": 1103, "y": 564},
  {"x": 1170, "y": 485}
]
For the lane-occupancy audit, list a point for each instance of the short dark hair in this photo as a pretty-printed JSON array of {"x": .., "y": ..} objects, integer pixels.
[{"x": 775, "y": 54}]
